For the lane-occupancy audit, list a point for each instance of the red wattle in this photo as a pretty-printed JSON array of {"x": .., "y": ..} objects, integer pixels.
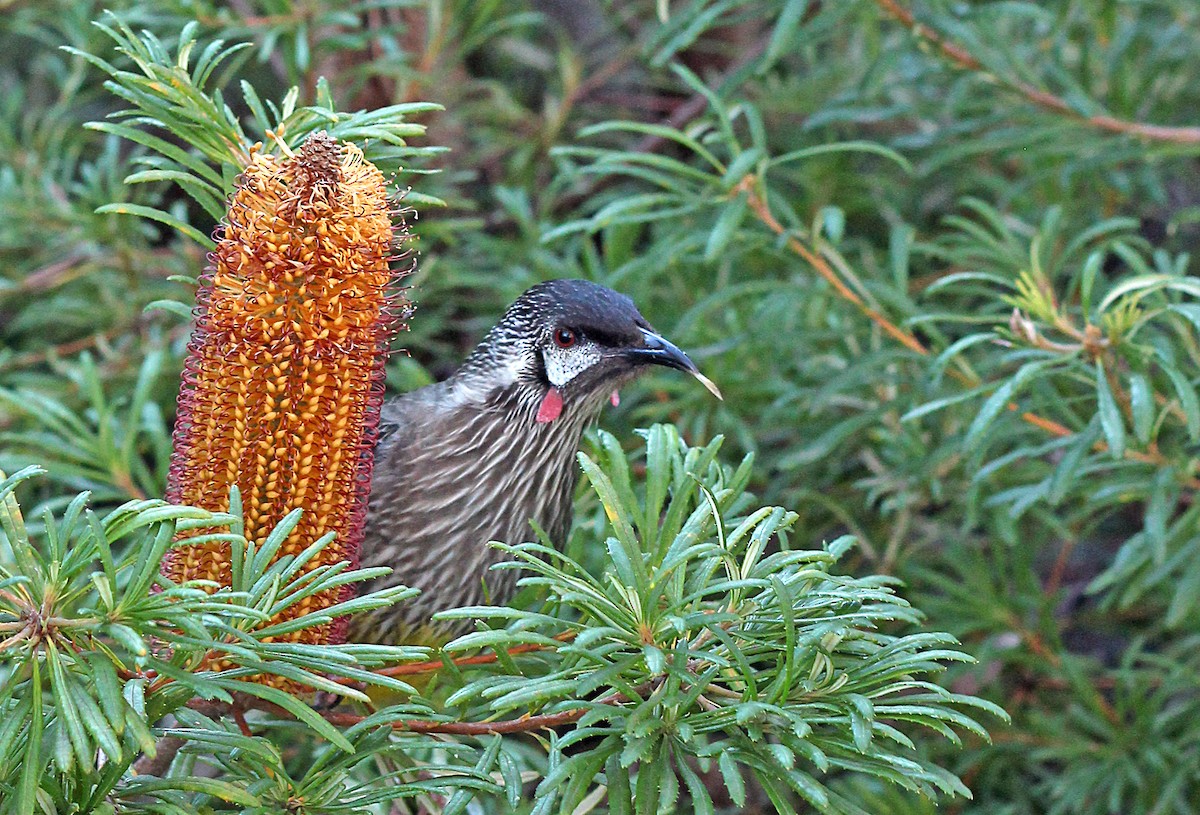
[{"x": 551, "y": 406}]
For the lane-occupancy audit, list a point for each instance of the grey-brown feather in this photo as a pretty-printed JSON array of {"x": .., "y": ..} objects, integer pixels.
[{"x": 457, "y": 467}]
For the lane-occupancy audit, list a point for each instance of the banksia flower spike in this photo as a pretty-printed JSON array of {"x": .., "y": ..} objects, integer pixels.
[{"x": 282, "y": 384}]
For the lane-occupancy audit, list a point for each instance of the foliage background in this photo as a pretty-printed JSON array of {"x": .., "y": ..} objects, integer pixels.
[{"x": 972, "y": 343}]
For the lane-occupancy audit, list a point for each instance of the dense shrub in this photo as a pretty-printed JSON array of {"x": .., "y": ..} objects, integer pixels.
[{"x": 935, "y": 255}]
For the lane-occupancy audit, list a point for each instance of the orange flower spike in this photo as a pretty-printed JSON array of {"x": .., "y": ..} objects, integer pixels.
[{"x": 283, "y": 381}]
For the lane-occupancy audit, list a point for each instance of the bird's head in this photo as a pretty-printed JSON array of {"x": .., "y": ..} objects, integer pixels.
[{"x": 568, "y": 344}]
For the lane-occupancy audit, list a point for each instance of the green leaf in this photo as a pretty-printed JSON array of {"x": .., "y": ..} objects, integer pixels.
[
  {"x": 161, "y": 216},
  {"x": 1091, "y": 268},
  {"x": 292, "y": 705},
  {"x": 1186, "y": 393},
  {"x": 172, "y": 306},
  {"x": 620, "y": 796},
  {"x": 1111, "y": 420},
  {"x": 1141, "y": 400},
  {"x": 732, "y": 775},
  {"x": 999, "y": 401},
  {"x": 32, "y": 762},
  {"x": 727, "y": 224},
  {"x": 1185, "y": 598},
  {"x": 1189, "y": 310},
  {"x": 222, "y": 790},
  {"x": 940, "y": 404},
  {"x": 1141, "y": 285},
  {"x": 784, "y": 32},
  {"x": 844, "y": 147},
  {"x": 862, "y": 719}
]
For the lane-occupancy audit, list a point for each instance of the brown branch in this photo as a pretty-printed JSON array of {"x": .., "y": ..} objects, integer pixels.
[
  {"x": 242, "y": 703},
  {"x": 22, "y": 635},
  {"x": 165, "y": 750},
  {"x": 239, "y": 716},
  {"x": 599, "y": 77},
  {"x": 1153, "y": 456},
  {"x": 64, "y": 349},
  {"x": 124, "y": 480},
  {"x": 1043, "y": 99},
  {"x": 525, "y": 724},
  {"x": 52, "y": 275}
]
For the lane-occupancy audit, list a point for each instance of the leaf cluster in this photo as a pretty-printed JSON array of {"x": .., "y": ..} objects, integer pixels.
[
  {"x": 99, "y": 648},
  {"x": 709, "y": 642}
]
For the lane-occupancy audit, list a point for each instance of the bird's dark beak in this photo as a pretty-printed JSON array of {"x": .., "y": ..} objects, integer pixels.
[{"x": 658, "y": 350}]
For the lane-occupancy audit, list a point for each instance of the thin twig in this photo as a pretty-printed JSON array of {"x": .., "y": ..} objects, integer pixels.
[
  {"x": 22, "y": 635},
  {"x": 525, "y": 724},
  {"x": 1058, "y": 572},
  {"x": 759, "y": 207},
  {"x": 1043, "y": 99},
  {"x": 52, "y": 275},
  {"x": 597, "y": 78},
  {"x": 239, "y": 716},
  {"x": 61, "y": 350}
]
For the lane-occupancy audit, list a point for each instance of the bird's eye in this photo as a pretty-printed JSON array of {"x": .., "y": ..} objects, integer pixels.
[{"x": 564, "y": 338}]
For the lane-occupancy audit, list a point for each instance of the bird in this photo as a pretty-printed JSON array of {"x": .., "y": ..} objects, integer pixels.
[{"x": 489, "y": 452}]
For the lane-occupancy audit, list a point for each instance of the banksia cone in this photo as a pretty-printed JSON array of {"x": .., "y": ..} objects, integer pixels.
[{"x": 282, "y": 384}]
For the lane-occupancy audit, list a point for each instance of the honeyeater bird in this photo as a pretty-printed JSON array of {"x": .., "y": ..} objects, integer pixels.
[{"x": 477, "y": 457}]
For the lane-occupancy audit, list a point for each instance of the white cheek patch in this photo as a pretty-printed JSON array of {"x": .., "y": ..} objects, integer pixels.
[{"x": 564, "y": 364}]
